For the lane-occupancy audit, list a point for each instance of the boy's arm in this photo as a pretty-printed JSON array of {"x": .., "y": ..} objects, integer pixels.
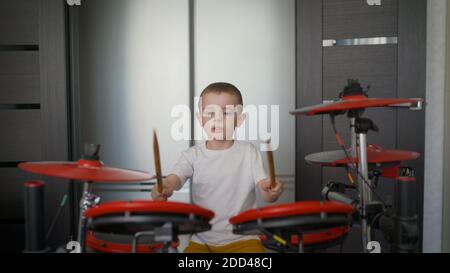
[
  {"x": 182, "y": 171},
  {"x": 174, "y": 182},
  {"x": 270, "y": 194},
  {"x": 170, "y": 184}
]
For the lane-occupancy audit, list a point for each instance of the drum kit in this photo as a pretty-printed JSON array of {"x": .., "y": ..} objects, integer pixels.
[
  {"x": 369, "y": 162},
  {"x": 296, "y": 227},
  {"x": 128, "y": 220}
]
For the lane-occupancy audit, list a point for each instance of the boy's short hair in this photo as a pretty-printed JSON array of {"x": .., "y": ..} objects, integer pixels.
[{"x": 223, "y": 87}]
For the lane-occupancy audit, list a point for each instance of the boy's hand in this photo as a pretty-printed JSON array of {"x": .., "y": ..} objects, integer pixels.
[
  {"x": 165, "y": 194},
  {"x": 268, "y": 194}
]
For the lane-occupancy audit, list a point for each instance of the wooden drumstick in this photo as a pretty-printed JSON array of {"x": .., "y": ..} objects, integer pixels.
[
  {"x": 157, "y": 162},
  {"x": 271, "y": 165}
]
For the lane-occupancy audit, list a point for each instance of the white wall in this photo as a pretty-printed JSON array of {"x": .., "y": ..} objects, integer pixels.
[
  {"x": 251, "y": 44},
  {"x": 446, "y": 197},
  {"x": 134, "y": 69},
  {"x": 434, "y": 128}
]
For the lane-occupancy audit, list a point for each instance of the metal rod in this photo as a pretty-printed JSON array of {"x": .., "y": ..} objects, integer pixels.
[
  {"x": 364, "y": 189},
  {"x": 300, "y": 243},
  {"x": 353, "y": 138},
  {"x": 363, "y": 168},
  {"x": 136, "y": 239},
  {"x": 82, "y": 219}
]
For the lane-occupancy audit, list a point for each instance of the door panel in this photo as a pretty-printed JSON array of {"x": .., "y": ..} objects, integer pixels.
[
  {"x": 392, "y": 70},
  {"x": 344, "y": 19}
]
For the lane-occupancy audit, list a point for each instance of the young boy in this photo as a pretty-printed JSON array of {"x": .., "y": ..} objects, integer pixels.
[{"x": 224, "y": 173}]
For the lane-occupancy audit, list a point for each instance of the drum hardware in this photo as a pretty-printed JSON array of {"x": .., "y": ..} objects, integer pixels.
[
  {"x": 311, "y": 242},
  {"x": 401, "y": 232},
  {"x": 296, "y": 226},
  {"x": 335, "y": 191},
  {"x": 281, "y": 222},
  {"x": 115, "y": 243},
  {"x": 165, "y": 235},
  {"x": 162, "y": 220},
  {"x": 88, "y": 200},
  {"x": 363, "y": 159},
  {"x": 88, "y": 170},
  {"x": 35, "y": 240}
]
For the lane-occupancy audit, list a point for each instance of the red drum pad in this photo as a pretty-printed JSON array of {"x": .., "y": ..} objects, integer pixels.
[
  {"x": 312, "y": 241},
  {"x": 113, "y": 243},
  {"x": 293, "y": 218},
  {"x": 356, "y": 102},
  {"x": 375, "y": 155},
  {"x": 137, "y": 216},
  {"x": 86, "y": 170}
]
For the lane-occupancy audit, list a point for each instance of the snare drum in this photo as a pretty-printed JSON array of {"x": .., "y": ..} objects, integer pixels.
[
  {"x": 134, "y": 218},
  {"x": 327, "y": 220},
  {"x": 114, "y": 243},
  {"x": 313, "y": 241}
]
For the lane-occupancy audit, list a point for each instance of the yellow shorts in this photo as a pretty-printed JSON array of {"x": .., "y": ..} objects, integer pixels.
[{"x": 247, "y": 246}]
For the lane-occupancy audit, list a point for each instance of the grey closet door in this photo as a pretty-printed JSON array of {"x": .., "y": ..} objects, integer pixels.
[
  {"x": 33, "y": 110},
  {"x": 392, "y": 70}
]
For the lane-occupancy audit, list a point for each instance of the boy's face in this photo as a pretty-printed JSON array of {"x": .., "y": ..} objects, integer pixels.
[{"x": 220, "y": 114}]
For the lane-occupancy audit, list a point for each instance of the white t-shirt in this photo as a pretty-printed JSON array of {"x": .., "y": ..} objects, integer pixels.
[{"x": 222, "y": 181}]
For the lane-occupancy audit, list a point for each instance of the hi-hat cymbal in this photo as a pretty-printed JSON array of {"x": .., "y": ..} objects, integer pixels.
[
  {"x": 375, "y": 155},
  {"x": 86, "y": 170},
  {"x": 355, "y": 102}
]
